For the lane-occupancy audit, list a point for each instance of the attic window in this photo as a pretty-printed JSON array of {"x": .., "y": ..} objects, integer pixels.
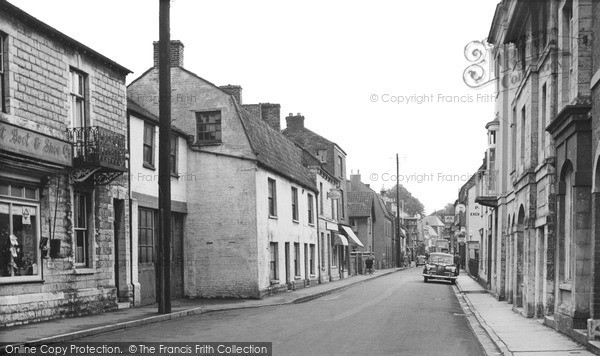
[
  {"x": 208, "y": 127},
  {"x": 322, "y": 155}
]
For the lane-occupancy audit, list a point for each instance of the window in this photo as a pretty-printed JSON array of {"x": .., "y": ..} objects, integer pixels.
[
  {"x": 78, "y": 99},
  {"x": 332, "y": 209},
  {"x": 208, "y": 127},
  {"x": 273, "y": 260},
  {"x": 543, "y": 124},
  {"x": 321, "y": 198},
  {"x": 147, "y": 233},
  {"x": 294, "y": 204},
  {"x": 272, "y": 197},
  {"x": 340, "y": 167},
  {"x": 513, "y": 133},
  {"x": 148, "y": 145},
  {"x": 322, "y": 155},
  {"x": 334, "y": 252},
  {"x": 311, "y": 219},
  {"x": 19, "y": 233},
  {"x": 173, "y": 156},
  {"x": 523, "y": 135},
  {"x": 341, "y": 207},
  {"x": 311, "y": 262},
  {"x": 296, "y": 259},
  {"x": 81, "y": 229},
  {"x": 3, "y": 85}
]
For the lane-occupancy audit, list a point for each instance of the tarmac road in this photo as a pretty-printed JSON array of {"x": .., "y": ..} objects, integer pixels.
[{"x": 396, "y": 314}]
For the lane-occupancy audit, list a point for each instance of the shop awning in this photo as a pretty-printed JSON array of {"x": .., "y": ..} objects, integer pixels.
[
  {"x": 340, "y": 240},
  {"x": 352, "y": 236}
]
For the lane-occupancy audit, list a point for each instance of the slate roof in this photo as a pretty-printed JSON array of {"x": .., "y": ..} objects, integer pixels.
[
  {"x": 274, "y": 151},
  {"x": 433, "y": 221},
  {"x": 360, "y": 204}
]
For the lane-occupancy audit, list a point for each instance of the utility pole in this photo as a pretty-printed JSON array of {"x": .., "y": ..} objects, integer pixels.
[
  {"x": 164, "y": 150},
  {"x": 401, "y": 262}
]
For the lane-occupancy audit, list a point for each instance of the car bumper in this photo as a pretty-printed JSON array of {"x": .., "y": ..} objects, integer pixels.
[{"x": 436, "y": 276}]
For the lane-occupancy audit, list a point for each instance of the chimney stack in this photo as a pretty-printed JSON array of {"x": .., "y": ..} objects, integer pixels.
[
  {"x": 176, "y": 53},
  {"x": 294, "y": 122},
  {"x": 233, "y": 90},
  {"x": 271, "y": 113}
]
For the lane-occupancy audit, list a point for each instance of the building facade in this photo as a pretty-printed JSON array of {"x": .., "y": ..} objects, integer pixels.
[
  {"x": 249, "y": 229},
  {"x": 64, "y": 207}
]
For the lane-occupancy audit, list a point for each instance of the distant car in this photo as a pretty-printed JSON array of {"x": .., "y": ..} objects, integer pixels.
[
  {"x": 421, "y": 260},
  {"x": 440, "y": 266}
]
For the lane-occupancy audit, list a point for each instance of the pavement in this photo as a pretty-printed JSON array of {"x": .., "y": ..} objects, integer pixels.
[
  {"x": 511, "y": 333},
  {"x": 498, "y": 328}
]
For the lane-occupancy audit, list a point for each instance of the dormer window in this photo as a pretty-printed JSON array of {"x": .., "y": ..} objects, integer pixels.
[
  {"x": 208, "y": 127},
  {"x": 322, "y": 155}
]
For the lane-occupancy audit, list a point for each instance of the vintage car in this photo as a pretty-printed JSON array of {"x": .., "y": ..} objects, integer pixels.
[
  {"x": 421, "y": 260},
  {"x": 440, "y": 266}
]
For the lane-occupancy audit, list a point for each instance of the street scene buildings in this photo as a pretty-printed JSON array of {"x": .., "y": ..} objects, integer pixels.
[{"x": 267, "y": 216}]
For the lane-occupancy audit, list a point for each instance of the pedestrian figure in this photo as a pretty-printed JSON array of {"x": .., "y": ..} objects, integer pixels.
[
  {"x": 457, "y": 260},
  {"x": 369, "y": 264}
]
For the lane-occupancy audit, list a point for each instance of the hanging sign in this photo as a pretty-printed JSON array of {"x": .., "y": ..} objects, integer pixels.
[{"x": 26, "y": 216}]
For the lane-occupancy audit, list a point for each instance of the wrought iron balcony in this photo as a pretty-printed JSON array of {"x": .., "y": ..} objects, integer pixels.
[{"x": 97, "y": 147}]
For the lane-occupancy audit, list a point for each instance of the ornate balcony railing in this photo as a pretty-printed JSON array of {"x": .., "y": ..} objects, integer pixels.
[{"x": 97, "y": 147}]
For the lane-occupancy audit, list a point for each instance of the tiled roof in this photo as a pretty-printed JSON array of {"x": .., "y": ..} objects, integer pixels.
[
  {"x": 138, "y": 110},
  {"x": 311, "y": 141},
  {"x": 275, "y": 151},
  {"x": 433, "y": 220},
  {"x": 360, "y": 204}
]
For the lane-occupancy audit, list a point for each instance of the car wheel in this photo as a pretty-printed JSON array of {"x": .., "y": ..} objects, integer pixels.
[{"x": 425, "y": 279}]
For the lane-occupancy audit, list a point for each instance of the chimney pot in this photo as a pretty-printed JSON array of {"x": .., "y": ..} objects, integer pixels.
[{"x": 295, "y": 122}]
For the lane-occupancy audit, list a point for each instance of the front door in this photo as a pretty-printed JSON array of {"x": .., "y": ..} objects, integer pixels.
[{"x": 147, "y": 239}]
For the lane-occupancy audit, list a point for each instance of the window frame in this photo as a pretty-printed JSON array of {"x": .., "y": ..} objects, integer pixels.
[
  {"x": 22, "y": 201},
  {"x": 219, "y": 125},
  {"x": 152, "y": 229},
  {"x": 297, "y": 271},
  {"x": 311, "y": 218},
  {"x": 173, "y": 155},
  {"x": 86, "y": 230},
  {"x": 3, "y": 76},
  {"x": 273, "y": 259},
  {"x": 295, "y": 214},
  {"x": 272, "y": 197},
  {"x": 311, "y": 259},
  {"x": 79, "y": 96},
  {"x": 149, "y": 145}
]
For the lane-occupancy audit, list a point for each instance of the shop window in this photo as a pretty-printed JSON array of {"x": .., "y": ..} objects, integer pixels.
[
  {"x": 81, "y": 219},
  {"x": 19, "y": 234}
]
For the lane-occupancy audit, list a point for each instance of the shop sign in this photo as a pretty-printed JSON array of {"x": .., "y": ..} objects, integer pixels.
[
  {"x": 334, "y": 194},
  {"x": 26, "y": 216},
  {"x": 35, "y": 145},
  {"x": 331, "y": 226}
]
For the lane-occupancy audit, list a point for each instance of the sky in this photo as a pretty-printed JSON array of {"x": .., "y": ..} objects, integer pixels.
[{"x": 379, "y": 78}]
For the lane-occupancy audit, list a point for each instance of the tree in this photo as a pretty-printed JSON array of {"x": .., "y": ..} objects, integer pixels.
[
  {"x": 412, "y": 205},
  {"x": 447, "y": 210}
]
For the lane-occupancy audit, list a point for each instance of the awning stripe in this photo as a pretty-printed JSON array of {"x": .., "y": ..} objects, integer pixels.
[{"x": 352, "y": 236}]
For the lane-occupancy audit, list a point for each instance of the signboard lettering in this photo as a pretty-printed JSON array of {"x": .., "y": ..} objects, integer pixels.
[{"x": 35, "y": 145}]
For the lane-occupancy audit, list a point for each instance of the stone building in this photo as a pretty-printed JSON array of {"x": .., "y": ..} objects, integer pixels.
[
  {"x": 64, "y": 202},
  {"x": 336, "y": 236},
  {"x": 249, "y": 228},
  {"x": 385, "y": 244},
  {"x": 539, "y": 226},
  {"x": 361, "y": 211}
]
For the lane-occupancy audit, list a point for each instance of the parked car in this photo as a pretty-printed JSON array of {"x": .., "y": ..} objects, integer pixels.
[
  {"x": 421, "y": 260},
  {"x": 440, "y": 266}
]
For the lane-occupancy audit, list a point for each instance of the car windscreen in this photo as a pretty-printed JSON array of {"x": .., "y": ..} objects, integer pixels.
[{"x": 447, "y": 260}]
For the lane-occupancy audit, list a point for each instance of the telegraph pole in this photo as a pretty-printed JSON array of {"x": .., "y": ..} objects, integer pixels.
[
  {"x": 164, "y": 169},
  {"x": 398, "y": 211}
]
